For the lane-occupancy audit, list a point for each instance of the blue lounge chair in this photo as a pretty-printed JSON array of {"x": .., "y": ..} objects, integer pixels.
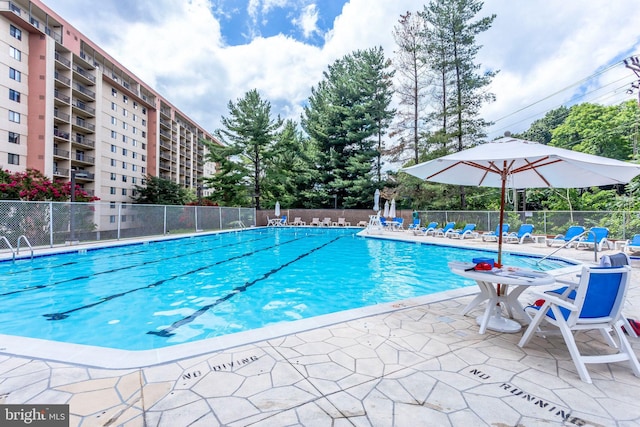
[
  {"x": 492, "y": 236},
  {"x": 595, "y": 236},
  {"x": 525, "y": 232},
  {"x": 633, "y": 244},
  {"x": 414, "y": 225},
  {"x": 425, "y": 231},
  {"x": 569, "y": 238},
  {"x": 467, "y": 231},
  {"x": 440, "y": 232},
  {"x": 596, "y": 305}
]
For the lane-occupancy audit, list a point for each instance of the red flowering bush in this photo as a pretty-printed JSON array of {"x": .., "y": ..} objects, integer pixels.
[{"x": 33, "y": 185}]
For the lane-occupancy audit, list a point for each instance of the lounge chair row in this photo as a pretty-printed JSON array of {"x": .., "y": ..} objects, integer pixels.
[
  {"x": 326, "y": 222},
  {"x": 576, "y": 236}
]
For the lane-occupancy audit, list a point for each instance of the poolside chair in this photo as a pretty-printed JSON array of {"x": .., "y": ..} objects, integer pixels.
[
  {"x": 326, "y": 222},
  {"x": 597, "y": 305},
  {"x": 315, "y": 221},
  {"x": 633, "y": 244},
  {"x": 492, "y": 236},
  {"x": 342, "y": 223},
  {"x": 298, "y": 221},
  {"x": 425, "y": 231},
  {"x": 440, "y": 232},
  {"x": 415, "y": 225},
  {"x": 283, "y": 221},
  {"x": 398, "y": 224},
  {"x": 525, "y": 232},
  {"x": 595, "y": 236},
  {"x": 569, "y": 238},
  {"x": 467, "y": 231}
]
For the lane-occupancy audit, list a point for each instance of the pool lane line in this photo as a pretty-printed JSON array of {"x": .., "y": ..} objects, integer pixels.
[
  {"x": 65, "y": 314},
  {"x": 167, "y": 332},
  {"x": 36, "y": 287},
  {"x": 193, "y": 241}
]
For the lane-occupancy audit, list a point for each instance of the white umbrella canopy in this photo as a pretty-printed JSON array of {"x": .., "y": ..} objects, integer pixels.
[
  {"x": 277, "y": 210},
  {"x": 386, "y": 209},
  {"x": 520, "y": 163},
  {"x": 376, "y": 200},
  {"x": 392, "y": 208}
]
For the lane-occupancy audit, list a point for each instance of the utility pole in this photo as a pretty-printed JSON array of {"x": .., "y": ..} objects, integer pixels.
[{"x": 633, "y": 63}]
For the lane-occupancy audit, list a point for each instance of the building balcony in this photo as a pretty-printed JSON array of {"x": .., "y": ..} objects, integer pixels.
[
  {"x": 61, "y": 116},
  {"x": 61, "y": 134},
  {"x": 62, "y": 79},
  {"x": 61, "y": 172},
  {"x": 83, "y": 140},
  {"x": 83, "y": 74},
  {"x": 84, "y": 91},
  {"x": 61, "y": 96},
  {"x": 82, "y": 123},
  {"x": 83, "y": 106},
  {"x": 83, "y": 158},
  {"x": 59, "y": 152}
]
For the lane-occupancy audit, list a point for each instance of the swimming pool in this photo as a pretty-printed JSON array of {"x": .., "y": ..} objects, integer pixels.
[{"x": 157, "y": 294}]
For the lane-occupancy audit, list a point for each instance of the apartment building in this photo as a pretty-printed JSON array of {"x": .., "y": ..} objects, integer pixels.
[{"x": 69, "y": 108}]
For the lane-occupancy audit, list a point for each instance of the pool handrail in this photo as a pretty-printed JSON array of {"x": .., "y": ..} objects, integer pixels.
[
  {"x": 13, "y": 252},
  {"x": 23, "y": 237}
]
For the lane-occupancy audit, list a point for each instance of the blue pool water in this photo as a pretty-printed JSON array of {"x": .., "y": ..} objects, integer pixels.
[{"x": 157, "y": 294}]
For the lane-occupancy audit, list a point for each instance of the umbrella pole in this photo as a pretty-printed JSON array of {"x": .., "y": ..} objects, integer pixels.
[{"x": 502, "y": 191}]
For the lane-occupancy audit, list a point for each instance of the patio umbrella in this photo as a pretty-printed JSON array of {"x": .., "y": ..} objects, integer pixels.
[
  {"x": 392, "y": 208},
  {"x": 523, "y": 164},
  {"x": 376, "y": 200},
  {"x": 386, "y": 209},
  {"x": 277, "y": 210}
]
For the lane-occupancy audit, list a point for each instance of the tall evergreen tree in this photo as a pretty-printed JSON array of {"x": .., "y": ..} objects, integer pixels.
[
  {"x": 451, "y": 48},
  {"x": 347, "y": 114},
  {"x": 250, "y": 132},
  {"x": 412, "y": 81}
]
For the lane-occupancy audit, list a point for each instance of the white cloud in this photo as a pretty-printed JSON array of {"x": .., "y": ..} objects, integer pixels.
[
  {"x": 539, "y": 47},
  {"x": 308, "y": 21}
]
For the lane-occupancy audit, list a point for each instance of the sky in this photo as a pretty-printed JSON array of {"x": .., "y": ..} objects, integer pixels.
[{"x": 202, "y": 54}]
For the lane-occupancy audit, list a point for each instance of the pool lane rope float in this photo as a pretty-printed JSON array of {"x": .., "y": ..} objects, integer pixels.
[
  {"x": 65, "y": 314},
  {"x": 168, "y": 332},
  {"x": 113, "y": 270}
]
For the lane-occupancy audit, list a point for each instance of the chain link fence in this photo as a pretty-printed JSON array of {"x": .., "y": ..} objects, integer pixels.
[
  {"x": 47, "y": 224},
  {"x": 622, "y": 225}
]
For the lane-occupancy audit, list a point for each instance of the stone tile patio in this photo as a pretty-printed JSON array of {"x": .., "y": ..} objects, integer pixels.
[{"x": 420, "y": 364}]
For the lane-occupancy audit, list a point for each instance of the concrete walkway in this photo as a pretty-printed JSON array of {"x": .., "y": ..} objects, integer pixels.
[{"x": 420, "y": 364}]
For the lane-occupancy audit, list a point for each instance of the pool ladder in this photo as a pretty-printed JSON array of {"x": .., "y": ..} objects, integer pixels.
[{"x": 17, "y": 250}]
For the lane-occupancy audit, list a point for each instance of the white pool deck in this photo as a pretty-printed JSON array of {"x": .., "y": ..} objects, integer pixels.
[{"x": 417, "y": 362}]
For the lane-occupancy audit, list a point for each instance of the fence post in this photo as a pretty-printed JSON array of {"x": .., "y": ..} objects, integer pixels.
[
  {"x": 195, "y": 214},
  {"x": 119, "y": 216},
  {"x": 164, "y": 221},
  {"x": 220, "y": 214},
  {"x": 50, "y": 224}
]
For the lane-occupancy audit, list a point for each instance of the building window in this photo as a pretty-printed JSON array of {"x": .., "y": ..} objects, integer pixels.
[
  {"x": 144, "y": 146},
  {"x": 112, "y": 190},
  {"x": 13, "y": 159},
  {"x": 134, "y": 155},
  {"x": 112, "y": 205},
  {"x": 134, "y": 118},
  {"x": 114, "y": 134},
  {"x": 114, "y": 92},
  {"x": 125, "y": 112},
  {"x": 112, "y": 218},
  {"x": 134, "y": 167},
  {"x": 144, "y": 158},
  {"x": 124, "y": 191},
  {"x": 114, "y": 121},
  {"x": 124, "y": 151},
  {"x": 144, "y": 122},
  {"x": 134, "y": 180},
  {"x": 14, "y": 117},
  {"x": 113, "y": 162},
  {"x": 14, "y": 95},
  {"x": 14, "y": 138},
  {"x": 135, "y": 106},
  {"x": 15, "y": 53},
  {"x": 134, "y": 130},
  {"x": 114, "y": 149},
  {"x": 15, "y": 32},
  {"x": 144, "y": 170},
  {"x": 15, "y": 74},
  {"x": 124, "y": 178},
  {"x": 114, "y": 107},
  {"x": 124, "y": 217},
  {"x": 124, "y": 165},
  {"x": 144, "y": 134},
  {"x": 125, "y": 98},
  {"x": 125, "y": 126},
  {"x": 113, "y": 176},
  {"x": 124, "y": 138},
  {"x": 134, "y": 142},
  {"x": 144, "y": 110}
]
